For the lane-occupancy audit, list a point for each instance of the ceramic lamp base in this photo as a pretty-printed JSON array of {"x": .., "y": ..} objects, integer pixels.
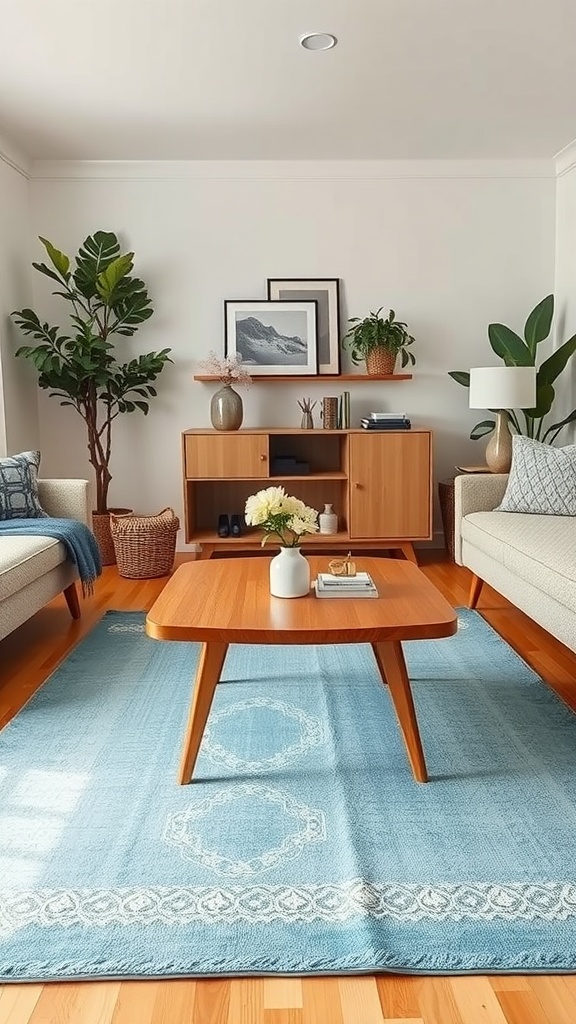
[{"x": 499, "y": 447}]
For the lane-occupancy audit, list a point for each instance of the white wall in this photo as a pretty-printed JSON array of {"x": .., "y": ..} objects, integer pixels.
[
  {"x": 565, "y": 281},
  {"x": 450, "y": 246},
  {"x": 18, "y": 399}
]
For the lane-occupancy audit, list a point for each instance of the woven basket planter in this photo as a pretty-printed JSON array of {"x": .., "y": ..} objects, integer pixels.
[
  {"x": 102, "y": 532},
  {"x": 380, "y": 361},
  {"x": 145, "y": 545}
]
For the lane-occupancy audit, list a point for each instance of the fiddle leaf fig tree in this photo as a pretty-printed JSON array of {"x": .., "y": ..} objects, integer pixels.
[
  {"x": 86, "y": 368},
  {"x": 517, "y": 351}
]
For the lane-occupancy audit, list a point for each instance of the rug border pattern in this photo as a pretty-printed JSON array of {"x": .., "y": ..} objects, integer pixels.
[{"x": 290, "y": 904}]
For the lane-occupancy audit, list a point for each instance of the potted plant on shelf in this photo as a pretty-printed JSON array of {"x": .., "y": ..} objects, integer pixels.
[
  {"x": 83, "y": 368},
  {"x": 377, "y": 341}
]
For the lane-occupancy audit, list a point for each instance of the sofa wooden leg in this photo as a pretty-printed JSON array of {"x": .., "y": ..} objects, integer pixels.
[
  {"x": 475, "y": 588},
  {"x": 71, "y": 595}
]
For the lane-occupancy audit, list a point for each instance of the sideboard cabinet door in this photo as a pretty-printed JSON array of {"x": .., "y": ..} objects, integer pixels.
[
  {"x": 390, "y": 494},
  {"x": 226, "y": 456}
]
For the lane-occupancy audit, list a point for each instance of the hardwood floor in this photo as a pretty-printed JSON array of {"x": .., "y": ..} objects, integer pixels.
[{"x": 30, "y": 654}]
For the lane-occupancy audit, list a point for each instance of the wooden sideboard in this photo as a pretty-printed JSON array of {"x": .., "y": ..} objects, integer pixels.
[{"x": 380, "y": 484}]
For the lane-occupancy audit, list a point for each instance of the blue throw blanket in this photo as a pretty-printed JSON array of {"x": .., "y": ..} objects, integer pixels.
[{"x": 79, "y": 541}]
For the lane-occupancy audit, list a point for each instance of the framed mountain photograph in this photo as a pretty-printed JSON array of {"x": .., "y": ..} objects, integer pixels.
[
  {"x": 273, "y": 338},
  {"x": 326, "y": 291}
]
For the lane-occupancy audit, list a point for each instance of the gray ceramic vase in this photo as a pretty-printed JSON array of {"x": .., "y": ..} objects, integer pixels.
[{"x": 226, "y": 409}]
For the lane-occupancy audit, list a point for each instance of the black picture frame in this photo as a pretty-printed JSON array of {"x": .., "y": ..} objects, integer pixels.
[
  {"x": 325, "y": 291},
  {"x": 264, "y": 322}
]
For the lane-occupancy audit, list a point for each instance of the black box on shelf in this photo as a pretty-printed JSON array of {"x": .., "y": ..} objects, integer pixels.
[
  {"x": 283, "y": 464},
  {"x": 287, "y": 465}
]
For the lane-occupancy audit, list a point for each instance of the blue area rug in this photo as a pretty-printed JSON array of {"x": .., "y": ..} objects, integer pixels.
[{"x": 305, "y": 846}]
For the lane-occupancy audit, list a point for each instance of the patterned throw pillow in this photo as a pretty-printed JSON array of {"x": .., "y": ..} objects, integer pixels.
[
  {"x": 542, "y": 479},
  {"x": 19, "y": 487}
]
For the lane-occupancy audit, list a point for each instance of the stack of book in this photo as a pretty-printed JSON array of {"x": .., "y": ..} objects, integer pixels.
[
  {"x": 386, "y": 421},
  {"x": 360, "y": 585}
]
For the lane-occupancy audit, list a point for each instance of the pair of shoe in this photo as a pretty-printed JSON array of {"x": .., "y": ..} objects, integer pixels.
[{"x": 229, "y": 526}]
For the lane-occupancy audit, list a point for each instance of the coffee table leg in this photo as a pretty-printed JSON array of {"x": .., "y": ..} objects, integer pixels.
[
  {"x": 390, "y": 659},
  {"x": 207, "y": 675},
  {"x": 380, "y": 663}
]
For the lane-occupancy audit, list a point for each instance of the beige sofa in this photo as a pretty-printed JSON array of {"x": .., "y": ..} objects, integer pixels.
[
  {"x": 530, "y": 559},
  {"x": 33, "y": 570}
]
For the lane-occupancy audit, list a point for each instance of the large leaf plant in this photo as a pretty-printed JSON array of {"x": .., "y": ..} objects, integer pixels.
[
  {"x": 84, "y": 368},
  {"x": 517, "y": 351}
]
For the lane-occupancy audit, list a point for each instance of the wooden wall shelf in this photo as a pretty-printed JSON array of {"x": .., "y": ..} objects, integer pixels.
[{"x": 332, "y": 378}]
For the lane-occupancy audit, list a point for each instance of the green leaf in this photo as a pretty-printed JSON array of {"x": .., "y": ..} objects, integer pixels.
[
  {"x": 509, "y": 346},
  {"x": 544, "y": 399},
  {"x": 539, "y": 323},
  {"x": 43, "y": 269},
  {"x": 481, "y": 429},
  {"x": 95, "y": 254},
  {"x": 107, "y": 281},
  {"x": 557, "y": 427},
  {"x": 461, "y": 377},
  {"x": 27, "y": 315},
  {"x": 552, "y": 367},
  {"x": 59, "y": 259}
]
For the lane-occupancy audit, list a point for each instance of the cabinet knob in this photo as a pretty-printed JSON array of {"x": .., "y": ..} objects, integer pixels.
[
  {"x": 262, "y": 458},
  {"x": 358, "y": 486}
]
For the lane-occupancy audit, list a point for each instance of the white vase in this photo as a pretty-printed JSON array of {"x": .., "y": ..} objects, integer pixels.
[
  {"x": 289, "y": 574},
  {"x": 328, "y": 520}
]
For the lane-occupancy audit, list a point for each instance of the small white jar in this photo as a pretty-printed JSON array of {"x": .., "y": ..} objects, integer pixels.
[{"x": 328, "y": 520}]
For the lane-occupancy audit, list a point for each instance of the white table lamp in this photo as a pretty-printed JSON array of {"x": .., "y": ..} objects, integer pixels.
[{"x": 502, "y": 388}]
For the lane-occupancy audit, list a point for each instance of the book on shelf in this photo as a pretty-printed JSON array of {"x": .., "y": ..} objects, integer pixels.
[
  {"x": 388, "y": 416},
  {"x": 473, "y": 469},
  {"x": 397, "y": 424},
  {"x": 344, "y": 411}
]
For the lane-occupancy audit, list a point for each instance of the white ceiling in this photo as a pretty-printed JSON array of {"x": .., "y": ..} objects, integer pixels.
[{"x": 226, "y": 79}]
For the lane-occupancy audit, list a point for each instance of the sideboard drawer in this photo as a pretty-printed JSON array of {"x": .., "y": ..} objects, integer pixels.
[{"x": 211, "y": 456}]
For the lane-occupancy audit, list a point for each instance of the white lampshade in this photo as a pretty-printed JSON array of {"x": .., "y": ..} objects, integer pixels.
[{"x": 502, "y": 387}]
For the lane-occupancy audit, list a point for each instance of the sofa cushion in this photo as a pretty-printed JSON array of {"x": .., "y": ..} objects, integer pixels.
[
  {"x": 542, "y": 479},
  {"x": 24, "y": 559},
  {"x": 19, "y": 487},
  {"x": 539, "y": 549}
]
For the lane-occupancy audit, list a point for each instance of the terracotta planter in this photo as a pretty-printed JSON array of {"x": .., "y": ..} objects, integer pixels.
[
  {"x": 380, "y": 361},
  {"x": 103, "y": 534}
]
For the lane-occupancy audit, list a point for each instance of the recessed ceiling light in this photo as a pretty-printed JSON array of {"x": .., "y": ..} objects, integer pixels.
[{"x": 318, "y": 41}]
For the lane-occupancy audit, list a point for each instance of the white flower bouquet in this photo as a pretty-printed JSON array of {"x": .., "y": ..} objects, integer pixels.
[{"x": 279, "y": 514}]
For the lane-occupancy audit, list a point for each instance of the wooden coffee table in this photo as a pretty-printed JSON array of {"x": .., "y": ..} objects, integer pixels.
[{"x": 228, "y": 602}]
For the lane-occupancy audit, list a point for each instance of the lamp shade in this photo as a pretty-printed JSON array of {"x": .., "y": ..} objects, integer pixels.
[{"x": 502, "y": 387}]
